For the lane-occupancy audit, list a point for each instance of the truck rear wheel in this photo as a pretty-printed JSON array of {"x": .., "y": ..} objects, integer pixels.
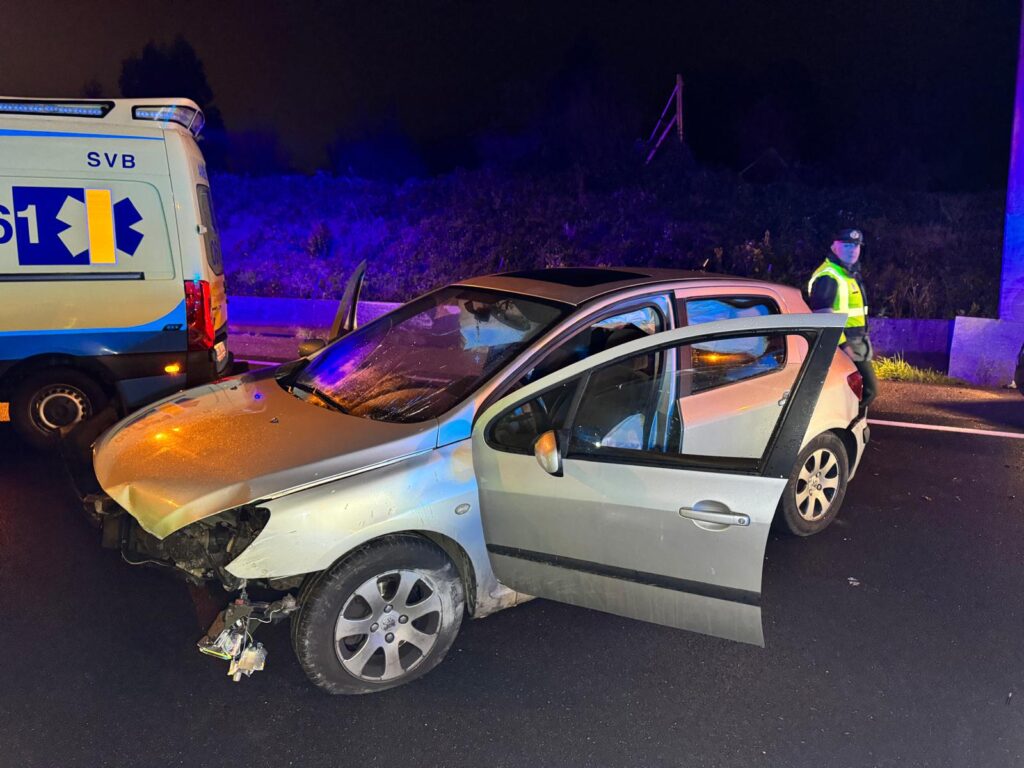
[{"x": 48, "y": 400}]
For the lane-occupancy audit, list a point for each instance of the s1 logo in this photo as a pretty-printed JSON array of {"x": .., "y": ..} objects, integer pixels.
[
  {"x": 110, "y": 160},
  {"x": 6, "y": 230}
]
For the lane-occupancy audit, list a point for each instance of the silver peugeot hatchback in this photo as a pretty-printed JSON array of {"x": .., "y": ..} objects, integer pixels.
[{"x": 620, "y": 440}]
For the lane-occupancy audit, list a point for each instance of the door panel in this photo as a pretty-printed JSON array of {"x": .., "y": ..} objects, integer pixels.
[
  {"x": 645, "y": 533},
  {"x": 619, "y": 524},
  {"x": 636, "y": 600}
]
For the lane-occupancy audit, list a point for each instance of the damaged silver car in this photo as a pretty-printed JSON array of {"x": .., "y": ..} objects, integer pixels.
[{"x": 619, "y": 440}]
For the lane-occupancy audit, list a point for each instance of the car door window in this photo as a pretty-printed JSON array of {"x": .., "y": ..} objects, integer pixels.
[
  {"x": 609, "y": 332},
  {"x": 517, "y": 430},
  {"x": 638, "y": 409},
  {"x": 620, "y": 405},
  {"x": 715, "y": 364},
  {"x": 723, "y": 361},
  {"x": 710, "y": 309}
]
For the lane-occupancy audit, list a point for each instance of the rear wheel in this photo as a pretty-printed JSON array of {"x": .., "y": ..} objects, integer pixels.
[
  {"x": 816, "y": 487},
  {"x": 47, "y": 401},
  {"x": 382, "y": 617}
]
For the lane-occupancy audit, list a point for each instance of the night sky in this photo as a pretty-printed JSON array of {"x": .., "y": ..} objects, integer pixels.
[{"x": 867, "y": 90}]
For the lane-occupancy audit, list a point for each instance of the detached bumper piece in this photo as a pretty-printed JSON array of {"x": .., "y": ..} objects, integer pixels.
[{"x": 230, "y": 636}]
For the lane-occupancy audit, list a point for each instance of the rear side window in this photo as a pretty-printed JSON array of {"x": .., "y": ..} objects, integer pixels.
[
  {"x": 715, "y": 363},
  {"x": 211, "y": 238},
  {"x": 709, "y": 310}
]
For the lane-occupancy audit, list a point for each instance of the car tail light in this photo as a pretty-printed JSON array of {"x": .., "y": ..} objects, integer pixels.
[
  {"x": 199, "y": 315},
  {"x": 856, "y": 382}
]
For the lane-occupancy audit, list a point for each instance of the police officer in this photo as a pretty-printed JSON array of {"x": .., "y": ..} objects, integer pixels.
[{"x": 836, "y": 286}]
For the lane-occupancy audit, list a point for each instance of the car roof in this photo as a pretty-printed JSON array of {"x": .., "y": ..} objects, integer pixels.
[{"x": 578, "y": 285}]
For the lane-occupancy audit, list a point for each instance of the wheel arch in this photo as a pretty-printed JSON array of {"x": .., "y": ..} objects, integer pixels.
[
  {"x": 849, "y": 443},
  {"x": 28, "y": 366},
  {"x": 455, "y": 552}
]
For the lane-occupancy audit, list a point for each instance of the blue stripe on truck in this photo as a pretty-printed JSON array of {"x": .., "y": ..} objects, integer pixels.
[
  {"x": 153, "y": 336},
  {"x": 71, "y": 135}
]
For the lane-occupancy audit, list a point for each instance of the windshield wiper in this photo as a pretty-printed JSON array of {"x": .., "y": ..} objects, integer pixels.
[{"x": 323, "y": 396}]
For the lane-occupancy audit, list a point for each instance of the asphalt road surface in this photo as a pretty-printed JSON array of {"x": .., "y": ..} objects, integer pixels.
[{"x": 893, "y": 639}]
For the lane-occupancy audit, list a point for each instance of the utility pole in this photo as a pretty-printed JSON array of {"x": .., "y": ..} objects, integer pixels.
[
  {"x": 1011, "y": 293},
  {"x": 676, "y": 100},
  {"x": 679, "y": 107}
]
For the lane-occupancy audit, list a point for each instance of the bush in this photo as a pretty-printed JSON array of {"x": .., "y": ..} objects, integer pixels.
[{"x": 927, "y": 254}]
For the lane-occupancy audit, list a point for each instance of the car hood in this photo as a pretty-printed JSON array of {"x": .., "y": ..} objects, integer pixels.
[{"x": 218, "y": 446}]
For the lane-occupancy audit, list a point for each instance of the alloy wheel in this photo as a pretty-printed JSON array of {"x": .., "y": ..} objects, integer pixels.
[
  {"x": 817, "y": 484},
  {"x": 388, "y": 625}
]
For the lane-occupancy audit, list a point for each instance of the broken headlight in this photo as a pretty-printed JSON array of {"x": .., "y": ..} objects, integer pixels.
[{"x": 203, "y": 549}]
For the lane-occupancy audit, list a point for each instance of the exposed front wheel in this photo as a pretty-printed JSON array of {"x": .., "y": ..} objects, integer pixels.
[
  {"x": 816, "y": 487},
  {"x": 47, "y": 401},
  {"x": 380, "y": 618}
]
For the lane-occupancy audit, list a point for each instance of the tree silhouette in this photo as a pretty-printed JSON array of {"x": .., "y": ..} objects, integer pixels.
[{"x": 175, "y": 70}]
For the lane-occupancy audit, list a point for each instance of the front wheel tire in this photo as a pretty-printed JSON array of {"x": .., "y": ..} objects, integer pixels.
[
  {"x": 816, "y": 487},
  {"x": 382, "y": 617}
]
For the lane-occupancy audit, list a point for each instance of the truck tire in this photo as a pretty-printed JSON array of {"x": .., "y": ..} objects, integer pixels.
[
  {"x": 50, "y": 399},
  {"x": 381, "y": 617}
]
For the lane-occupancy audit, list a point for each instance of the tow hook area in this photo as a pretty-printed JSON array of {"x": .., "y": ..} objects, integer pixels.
[{"x": 230, "y": 636}]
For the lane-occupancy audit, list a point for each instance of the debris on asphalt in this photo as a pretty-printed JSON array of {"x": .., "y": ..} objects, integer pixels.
[
  {"x": 927, "y": 498},
  {"x": 853, "y": 582}
]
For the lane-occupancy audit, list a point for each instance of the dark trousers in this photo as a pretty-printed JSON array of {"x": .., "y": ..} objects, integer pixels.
[
  {"x": 867, "y": 371},
  {"x": 858, "y": 347}
]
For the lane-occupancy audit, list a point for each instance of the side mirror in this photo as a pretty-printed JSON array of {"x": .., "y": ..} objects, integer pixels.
[
  {"x": 309, "y": 346},
  {"x": 545, "y": 450}
]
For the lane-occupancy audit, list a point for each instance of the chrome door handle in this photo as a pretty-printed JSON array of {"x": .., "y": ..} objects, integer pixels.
[{"x": 714, "y": 512}]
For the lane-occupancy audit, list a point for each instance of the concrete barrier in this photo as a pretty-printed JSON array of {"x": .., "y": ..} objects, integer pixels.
[
  {"x": 924, "y": 343},
  {"x": 259, "y": 312},
  {"x": 984, "y": 351},
  {"x": 269, "y": 329}
]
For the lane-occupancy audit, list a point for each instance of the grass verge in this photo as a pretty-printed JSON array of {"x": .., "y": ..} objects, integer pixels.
[{"x": 895, "y": 368}]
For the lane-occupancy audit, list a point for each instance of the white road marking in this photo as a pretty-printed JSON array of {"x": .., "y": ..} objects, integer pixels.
[{"x": 941, "y": 428}]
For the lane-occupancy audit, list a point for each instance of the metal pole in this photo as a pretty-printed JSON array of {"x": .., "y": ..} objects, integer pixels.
[
  {"x": 1011, "y": 293},
  {"x": 679, "y": 107}
]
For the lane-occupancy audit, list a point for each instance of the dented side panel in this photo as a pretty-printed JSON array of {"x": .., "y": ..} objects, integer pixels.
[{"x": 434, "y": 493}]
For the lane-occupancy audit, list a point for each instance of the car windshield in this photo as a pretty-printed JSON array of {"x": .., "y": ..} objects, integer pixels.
[{"x": 422, "y": 359}]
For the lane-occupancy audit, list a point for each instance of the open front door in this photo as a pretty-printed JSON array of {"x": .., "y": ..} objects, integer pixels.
[
  {"x": 634, "y": 515},
  {"x": 345, "y": 320}
]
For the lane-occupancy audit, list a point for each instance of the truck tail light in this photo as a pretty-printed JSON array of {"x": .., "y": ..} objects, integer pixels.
[
  {"x": 856, "y": 382},
  {"x": 199, "y": 315}
]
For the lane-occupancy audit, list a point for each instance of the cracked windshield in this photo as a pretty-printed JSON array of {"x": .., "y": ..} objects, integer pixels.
[{"x": 418, "y": 362}]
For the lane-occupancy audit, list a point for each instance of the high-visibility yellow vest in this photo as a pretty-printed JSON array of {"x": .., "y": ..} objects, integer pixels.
[{"x": 849, "y": 297}]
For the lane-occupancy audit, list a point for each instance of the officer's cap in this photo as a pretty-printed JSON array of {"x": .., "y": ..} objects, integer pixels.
[{"x": 853, "y": 236}]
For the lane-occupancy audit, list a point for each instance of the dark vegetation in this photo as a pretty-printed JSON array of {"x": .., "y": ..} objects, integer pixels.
[
  {"x": 556, "y": 177},
  {"x": 928, "y": 254}
]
